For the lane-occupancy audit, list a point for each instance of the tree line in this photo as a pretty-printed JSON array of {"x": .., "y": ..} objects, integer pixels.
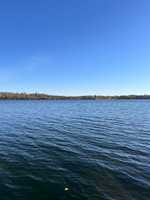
[{"x": 40, "y": 96}]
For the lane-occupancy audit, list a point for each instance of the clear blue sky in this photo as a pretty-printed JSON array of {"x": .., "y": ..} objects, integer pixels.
[{"x": 75, "y": 47}]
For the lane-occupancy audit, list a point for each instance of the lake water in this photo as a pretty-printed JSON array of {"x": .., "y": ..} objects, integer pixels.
[{"x": 97, "y": 149}]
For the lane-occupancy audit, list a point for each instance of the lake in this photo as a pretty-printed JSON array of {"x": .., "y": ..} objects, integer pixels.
[{"x": 98, "y": 149}]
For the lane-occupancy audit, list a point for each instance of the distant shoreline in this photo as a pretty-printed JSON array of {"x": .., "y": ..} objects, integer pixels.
[{"x": 40, "y": 96}]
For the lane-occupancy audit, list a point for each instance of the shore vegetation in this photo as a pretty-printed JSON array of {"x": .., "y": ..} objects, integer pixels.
[{"x": 40, "y": 96}]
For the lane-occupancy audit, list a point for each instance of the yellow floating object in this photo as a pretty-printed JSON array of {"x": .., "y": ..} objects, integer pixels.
[{"x": 66, "y": 189}]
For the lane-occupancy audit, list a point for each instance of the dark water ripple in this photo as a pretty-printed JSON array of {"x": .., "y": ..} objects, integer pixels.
[{"x": 98, "y": 149}]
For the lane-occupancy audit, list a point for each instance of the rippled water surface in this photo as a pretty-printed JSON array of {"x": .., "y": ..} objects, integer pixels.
[{"x": 98, "y": 149}]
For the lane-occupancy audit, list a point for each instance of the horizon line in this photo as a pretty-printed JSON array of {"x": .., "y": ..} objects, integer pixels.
[{"x": 132, "y": 94}]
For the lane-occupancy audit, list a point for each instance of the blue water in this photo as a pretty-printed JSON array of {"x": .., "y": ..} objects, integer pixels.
[{"x": 97, "y": 149}]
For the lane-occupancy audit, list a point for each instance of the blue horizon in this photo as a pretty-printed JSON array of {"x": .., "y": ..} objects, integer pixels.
[{"x": 75, "y": 48}]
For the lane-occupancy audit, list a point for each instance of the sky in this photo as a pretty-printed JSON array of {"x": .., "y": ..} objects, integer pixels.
[{"x": 75, "y": 47}]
